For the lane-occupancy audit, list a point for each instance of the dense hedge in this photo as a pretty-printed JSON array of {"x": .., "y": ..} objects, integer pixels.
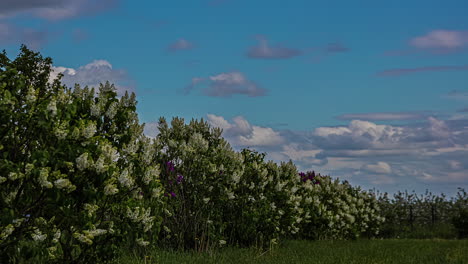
[{"x": 79, "y": 180}]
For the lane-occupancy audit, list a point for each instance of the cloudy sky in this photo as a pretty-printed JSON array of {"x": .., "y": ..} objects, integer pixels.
[{"x": 374, "y": 92}]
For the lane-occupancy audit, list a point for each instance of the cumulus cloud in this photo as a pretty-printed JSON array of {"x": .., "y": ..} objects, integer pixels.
[
  {"x": 54, "y": 9},
  {"x": 241, "y": 133},
  {"x": 180, "y": 44},
  {"x": 448, "y": 40},
  {"x": 226, "y": 85},
  {"x": 10, "y": 34},
  {"x": 264, "y": 51},
  {"x": 380, "y": 167},
  {"x": 423, "y": 152},
  {"x": 94, "y": 73},
  {"x": 405, "y": 71}
]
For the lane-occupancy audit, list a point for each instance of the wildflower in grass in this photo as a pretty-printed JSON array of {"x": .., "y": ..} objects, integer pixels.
[
  {"x": 173, "y": 194},
  {"x": 222, "y": 242}
]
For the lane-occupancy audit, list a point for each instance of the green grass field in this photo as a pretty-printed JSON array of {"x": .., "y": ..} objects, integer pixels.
[{"x": 346, "y": 252}]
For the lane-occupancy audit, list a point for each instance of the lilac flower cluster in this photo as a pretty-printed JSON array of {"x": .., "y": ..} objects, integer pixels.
[
  {"x": 170, "y": 168},
  {"x": 310, "y": 175}
]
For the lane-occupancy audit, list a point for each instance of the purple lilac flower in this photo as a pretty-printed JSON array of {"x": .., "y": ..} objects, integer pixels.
[
  {"x": 170, "y": 166},
  {"x": 312, "y": 175},
  {"x": 173, "y": 194},
  {"x": 180, "y": 178}
]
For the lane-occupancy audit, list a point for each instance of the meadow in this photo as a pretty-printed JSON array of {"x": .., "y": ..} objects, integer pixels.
[{"x": 387, "y": 251}]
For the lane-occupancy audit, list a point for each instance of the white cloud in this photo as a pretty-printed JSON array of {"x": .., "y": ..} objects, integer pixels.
[
  {"x": 379, "y": 167},
  {"x": 227, "y": 85},
  {"x": 441, "y": 39},
  {"x": 241, "y": 133},
  {"x": 365, "y": 153},
  {"x": 94, "y": 73}
]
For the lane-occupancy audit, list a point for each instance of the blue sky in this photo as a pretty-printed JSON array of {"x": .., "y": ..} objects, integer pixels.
[{"x": 374, "y": 93}]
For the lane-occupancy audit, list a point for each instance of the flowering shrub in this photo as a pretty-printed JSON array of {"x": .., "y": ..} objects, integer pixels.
[
  {"x": 199, "y": 171},
  {"x": 78, "y": 179},
  {"x": 336, "y": 210},
  {"x": 76, "y": 173}
]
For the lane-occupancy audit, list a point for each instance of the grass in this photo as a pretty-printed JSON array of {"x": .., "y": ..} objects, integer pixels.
[{"x": 346, "y": 252}]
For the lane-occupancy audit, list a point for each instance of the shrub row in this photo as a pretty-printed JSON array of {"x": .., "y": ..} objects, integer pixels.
[{"x": 79, "y": 180}]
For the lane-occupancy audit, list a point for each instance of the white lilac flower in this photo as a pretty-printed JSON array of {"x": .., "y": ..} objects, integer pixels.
[
  {"x": 7, "y": 231},
  {"x": 151, "y": 174},
  {"x": 52, "y": 107},
  {"x": 13, "y": 176},
  {"x": 125, "y": 179},
  {"x": 18, "y": 222},
  {"x": 95, "y": 232},
  {"x": 64, "y": 184},
  {"x": 100, "y": 165},
  {"x": 61, "y": 131},
  {"x": 90, "y": 208},
  {"x": 130, "y": 148},
  {"x": 156, "y": 192},
  {"x": 110, "y": 189},
  {"x": 51, "y": 252},
  {"x": 31, "y": 95},
  {"x": 95, "y": 109},
  {"x": 142, "y": 242},
  {"x": 86, "y": 239},
  {"x": 28, "y": 168},
  {"x": 112, "y": 110},
  {"x": 89, "y": 130},
  {"x": 38, "y": 236},
  {"x": 235, "y": 177},
  {"x": 231, "y": 195},
  {"x": 109, "y": 151},
  {"x": 82, "y": 161},
  {"x": 57, "y": 236},
  {"x": 43, "y": 175}
]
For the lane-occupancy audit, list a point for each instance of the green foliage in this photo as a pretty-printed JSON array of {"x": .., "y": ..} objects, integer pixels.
[
  {"x": 409, "y": 215},
  {"x": 460, "y": 218},
  {"x": 76, "y": 173}
]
